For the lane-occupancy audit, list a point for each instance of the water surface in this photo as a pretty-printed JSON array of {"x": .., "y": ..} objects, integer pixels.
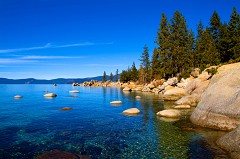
[{"x": 33, "y": 125}]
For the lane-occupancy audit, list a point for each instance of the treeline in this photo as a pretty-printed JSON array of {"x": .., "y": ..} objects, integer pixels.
[{"x": 179, "y": 51}]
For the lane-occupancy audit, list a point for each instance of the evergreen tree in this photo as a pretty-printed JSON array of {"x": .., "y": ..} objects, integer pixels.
[
  {"x": 116, "y": 75},
  {"x": 155, "y": 67},
  {"x": 111, "y": 76},
  {"x": 215, "y": 24},
  {"x": 224, "y": 43},
  {"x": 180, "y": 40},
  {"x": 134, "y": 73},
  {"x": 141, "y": 75},
  {"x": 234, "y": 34},
  {"x": 207, "y": 53},
  {"x": 104, "y": 78},
  {"x": 163, "y": 42},
  {"x": 145, "y": 64},
  {"x": 200, "y": 29}
]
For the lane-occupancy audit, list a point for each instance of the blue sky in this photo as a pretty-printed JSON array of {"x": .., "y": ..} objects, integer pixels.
[{"x": 48, "y": 39}]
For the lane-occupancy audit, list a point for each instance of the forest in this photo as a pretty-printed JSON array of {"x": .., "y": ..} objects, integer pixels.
[{"x": 178, "y": 50}]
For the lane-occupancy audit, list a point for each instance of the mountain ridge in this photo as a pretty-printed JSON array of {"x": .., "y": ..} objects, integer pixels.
[{"x": 52, "y": 81}]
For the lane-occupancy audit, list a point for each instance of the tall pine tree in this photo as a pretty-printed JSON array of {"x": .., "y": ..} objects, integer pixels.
[
  {"x": 234, "y": 33},
  {"x": 155, "y": 65},
  {"x": 163, "y": 42},
  {"x": 181, "y": 45},
  {"x": 104, "y": 78},
  {"x": 145, "y": 64}
]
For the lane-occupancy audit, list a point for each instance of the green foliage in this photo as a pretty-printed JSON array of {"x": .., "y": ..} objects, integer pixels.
[
  {"x": 116, "y": 76},
  {"x": 111, "y": 76},
  {"x": 206, "y": 51},
  {"x": 145, "y": 63},
  {"x": 104, "y": 78},
  {"x": 212, "y": 71},
  {"x": 178, "y": 50},
  {"x": 131, "y": 74},
  {"x": 155, "y": 65}
]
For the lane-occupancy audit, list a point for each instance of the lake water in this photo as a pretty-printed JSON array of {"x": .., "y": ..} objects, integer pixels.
[{"x": 33, "y": 125}]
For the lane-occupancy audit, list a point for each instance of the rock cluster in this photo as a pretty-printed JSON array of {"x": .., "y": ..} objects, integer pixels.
[
  {"x": 219, "y": 106},
  {"x": 95, "y": 83}
]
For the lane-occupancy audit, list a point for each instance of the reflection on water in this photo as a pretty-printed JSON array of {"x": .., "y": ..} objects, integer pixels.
[{"x": 33, "y": 125}]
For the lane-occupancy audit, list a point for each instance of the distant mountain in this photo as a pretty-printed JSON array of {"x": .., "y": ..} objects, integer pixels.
[{"x": 42, "y": 81}]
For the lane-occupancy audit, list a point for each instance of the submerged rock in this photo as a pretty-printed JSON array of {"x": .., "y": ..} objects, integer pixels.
[
  {"x": 138, "y": 97},
  {"x": 170, "y": 113},
  {"x": 50, "y": 95},
  {"x": 219, "y": 106},
  {"x": 66, "y": 108},
  {"x": 57, "y": 154},
  {"x": 131, "y": 111}
]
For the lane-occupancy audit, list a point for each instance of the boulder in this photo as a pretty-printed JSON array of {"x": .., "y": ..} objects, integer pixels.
[
  {"x": 182, "y": 107},
  {"x": 176, "y": 92},
  {"x": 151, "y": 86},
  {"x": 131, "y": 111},
  {"x": 219, "y": 106},
  {"x": 195, "y": 72},
  {"x": 18, "y": 96},
  {"x": 204, "y": 76},
  {"x": 50, "y": 95},
  {"x": 138, "y": 97},
  {"x": 168, "y": 88},
  {"x": 74, "y": 91},
  {"x": 127, "y": 89},
  {"x": 169, "y": 113},
  {"x": 231, "y": 142},
  {"x": 172, "y": 81},
  {"x": 116, "y": 102},
  {"x": 66, "y": 108},
  {"x": 191, "y": 100}
]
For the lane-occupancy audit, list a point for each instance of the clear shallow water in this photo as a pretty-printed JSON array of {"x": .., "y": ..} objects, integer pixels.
[{"x": 33, "y": 125}]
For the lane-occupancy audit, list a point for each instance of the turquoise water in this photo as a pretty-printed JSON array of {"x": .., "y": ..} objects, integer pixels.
[{"x": 33, "y": 125}]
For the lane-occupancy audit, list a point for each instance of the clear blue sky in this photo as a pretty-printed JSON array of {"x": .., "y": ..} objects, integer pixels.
[{"x": 48, "y": 39}]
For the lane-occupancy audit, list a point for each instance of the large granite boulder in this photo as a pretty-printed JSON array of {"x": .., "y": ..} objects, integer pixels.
[
  {"x": 231, "y": 143},
  {"x": 174, "y": 93},
  {"x": 131, "y": 112},
  {"x": 219, "y": 107},
  {"x": 170, "y": 113}
]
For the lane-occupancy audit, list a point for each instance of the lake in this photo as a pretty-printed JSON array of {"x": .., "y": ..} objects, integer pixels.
[{"x": 33, "y": 125}]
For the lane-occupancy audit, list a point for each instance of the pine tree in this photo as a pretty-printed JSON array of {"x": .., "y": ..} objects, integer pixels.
[
  {"x": 111, "y": 76},
  {"x": 104, "y": 78},
  {"x": 116, "y": 76},
  {"x": 155, "y": 65},
  {"x": 207, "y": 53},
  {"x": 163, "y": 42},
  {"x": 234, "y": 34},
  {"x": 215, "y": 24},
  {"x": 180, "y": 40},
  {"x": 141, "y": 75},
  {"x": 134, "y": 73},
  {"x": 200, "y": 29},
  {"x": 145, "y": 64}
]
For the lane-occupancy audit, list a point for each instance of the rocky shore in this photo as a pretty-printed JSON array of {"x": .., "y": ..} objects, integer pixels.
[{"x": 214, "y": 94}]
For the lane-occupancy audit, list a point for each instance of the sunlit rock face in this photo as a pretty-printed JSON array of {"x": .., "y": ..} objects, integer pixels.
[{"x": 219, "y": 106}]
